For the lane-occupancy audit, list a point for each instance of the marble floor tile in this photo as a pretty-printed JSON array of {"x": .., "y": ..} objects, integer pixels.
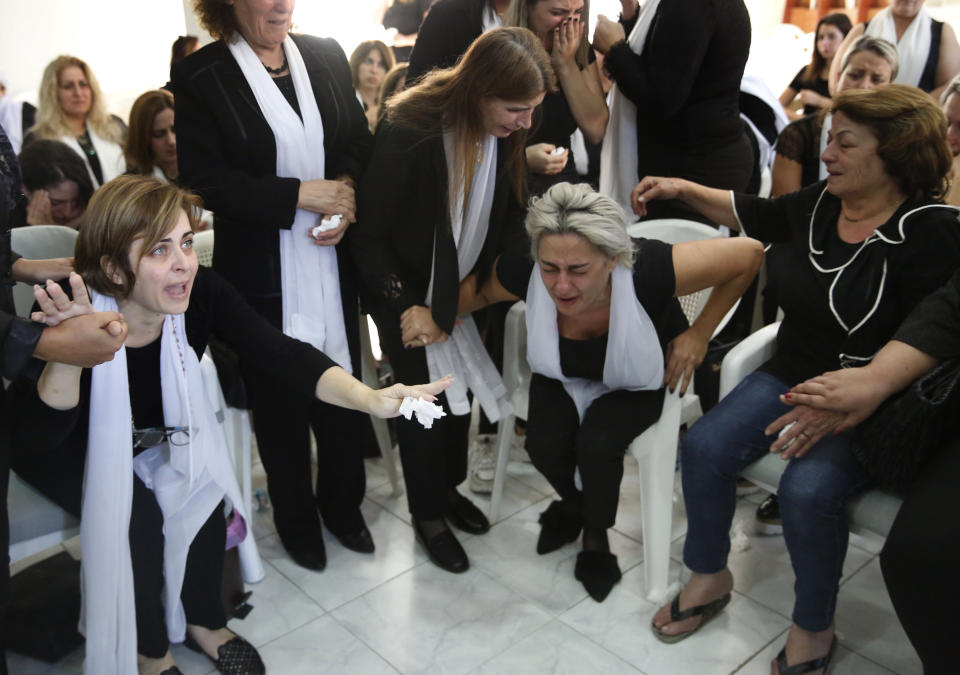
[
  {"x": 349, "y": 574},
  {"x": 629, "y": 513},
  {"x": 555, "y": 649},
  {"x": 844, "y": 662},
  {"x": 431, "y": 621},
  {"x": 376, "y": 469},
  {"x": 322, "y": 646},
  {"x": 516, "y": 496},
  {"x": 763, "y": 572},
  {"x": 262, "y": 521},
  {"x": 867, "y": 624},
  {"x": 508, "y": 554},
  {"x": 279, "y": 606},
  {"x": 621, "y": 624}
]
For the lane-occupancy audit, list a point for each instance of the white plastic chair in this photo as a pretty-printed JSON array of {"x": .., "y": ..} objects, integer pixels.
[
  {"x": 368, "y": 368},
  {"x": 871, "y": 512},
  {"x": 203, "y": 247},
  {"x": 37, "y": 242}
]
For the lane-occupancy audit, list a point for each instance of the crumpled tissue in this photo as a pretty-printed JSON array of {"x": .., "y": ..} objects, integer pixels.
[{"x": 425, "y": 411}]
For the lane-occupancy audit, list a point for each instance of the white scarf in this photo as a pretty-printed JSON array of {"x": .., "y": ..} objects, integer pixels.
[
  {"x": 188, "y": 481},
  {"x": 490, "y": 18},
  {"x": 11, "y": 120},
  {"x": 634, "y": 359},
  {"x": 618, "y": 158},
  {"x": 824, "y": 133},
  {"x": 109, "y": 154},
  {"x": 913, "y": 47},
  {"x": 312, "y": 307},
  {"x": 463, "y": 354}
]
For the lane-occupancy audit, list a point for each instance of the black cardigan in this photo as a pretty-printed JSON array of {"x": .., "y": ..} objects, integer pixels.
[
  {"x": 447, "y": 32},
  {"x": 50, "y": 445},
  {"x": 227, "y": 153},
  {"x": 404, "y": 217}
]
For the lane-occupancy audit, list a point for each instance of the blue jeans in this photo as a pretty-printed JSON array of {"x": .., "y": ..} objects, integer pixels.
[{"x": 813, "y": 491}]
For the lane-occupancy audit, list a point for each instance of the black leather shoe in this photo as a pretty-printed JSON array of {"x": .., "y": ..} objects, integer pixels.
[
  {"x": 598, "y": 572},
  {"x": 464, "y": 515},
  {"x": 307, "y": 551},
  {"x": 444, "y": 550},
  {"x": 359, "y": 541},
  {"x": 557, "y": 527},
  {"x": 235, "y": 657}
]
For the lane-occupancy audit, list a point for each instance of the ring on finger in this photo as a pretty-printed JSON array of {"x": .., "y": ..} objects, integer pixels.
[{"x": 805, "y": 435}]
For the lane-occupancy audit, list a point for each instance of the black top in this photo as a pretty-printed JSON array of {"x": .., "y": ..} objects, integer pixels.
[
  {"x": 449, "y": 29},
  {"x": 800, "y": 142},
  {"x": 285, "y": 85},
  {"x": 934, "y": 326},
  {"x": 405, "y": 17},
  {"x": 91, "y": 153},
  {"x": 58, "y": 438},
  {"x": 686, "y": 83},
  {"x": 404, "y": 221},
  {"x": 654, "y": 282},
  {"x": 811, "y": 339},
  {"x": 819, "y": 85}
]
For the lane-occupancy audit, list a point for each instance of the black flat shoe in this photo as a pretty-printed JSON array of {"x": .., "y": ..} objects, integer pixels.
[
  {"x": 464, "y": 515},
  {"x": 172, "y": 670},
  {"x": 306, "y": 551},
  {"x": 444, "y": 550},
  {"x": 236, "y": 657},
  {"x": 598, "y": 572},
  {"x": 360, "y": 541},
  {"x": 557, "y": 527}
]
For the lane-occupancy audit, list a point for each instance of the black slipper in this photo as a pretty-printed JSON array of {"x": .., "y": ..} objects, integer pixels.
[
  {"x": 556, "y": 528},
  {"x": 706, "y": 612},
  {"x": 806, "y": 666},
  {"x": 598, "y": 572}
]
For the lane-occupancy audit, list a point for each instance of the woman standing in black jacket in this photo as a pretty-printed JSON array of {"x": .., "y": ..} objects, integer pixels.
[
  {"x": 442, "y": 197},
  {"x": 272, "y": 137}
]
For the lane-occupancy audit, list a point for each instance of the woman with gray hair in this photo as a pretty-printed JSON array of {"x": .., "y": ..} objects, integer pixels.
[{"x": 604, "y": 334}]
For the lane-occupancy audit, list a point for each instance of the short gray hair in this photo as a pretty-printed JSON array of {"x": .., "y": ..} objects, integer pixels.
[
  {"x": 882, "y": 48},
  {"x": 578, "y": 209}
]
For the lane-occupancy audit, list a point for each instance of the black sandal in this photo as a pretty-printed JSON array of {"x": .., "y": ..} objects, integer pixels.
[
  {"x": 706, "y": 612},
  {"x": 236, "y": 656},
  {"x": 806, "y": 666}
]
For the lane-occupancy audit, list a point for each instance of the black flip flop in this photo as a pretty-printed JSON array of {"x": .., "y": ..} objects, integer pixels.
[
  {"x": 706, "y": 612},
  {"x": 806, "y": 666}
]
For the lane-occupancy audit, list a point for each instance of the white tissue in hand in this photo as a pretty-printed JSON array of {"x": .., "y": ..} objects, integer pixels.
[
  {"x": 559, "y": 150},
  {"x": 425, "y": 411},
  {"x": 331, "y": 223}
]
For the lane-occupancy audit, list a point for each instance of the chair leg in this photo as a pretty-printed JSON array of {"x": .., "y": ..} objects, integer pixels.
[
  {"x": 368, "y": 373},
  {"x": 504, "y": 437}
]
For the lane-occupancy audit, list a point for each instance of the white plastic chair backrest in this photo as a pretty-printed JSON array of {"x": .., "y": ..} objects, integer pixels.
[
  {"x": 36, "y": 242},
  {"x": 203, "y": 247},
  {"x": 752, "y": 352},
  {"x": 516, "y": 370},
  {"x": 678, "y": 231}
]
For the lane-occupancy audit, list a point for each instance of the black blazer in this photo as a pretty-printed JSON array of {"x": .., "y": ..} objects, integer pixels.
[
  {"x": 446, "y": 33},
  {"x": 227, "y": 153},
  {"x": 404, "y": 217}
]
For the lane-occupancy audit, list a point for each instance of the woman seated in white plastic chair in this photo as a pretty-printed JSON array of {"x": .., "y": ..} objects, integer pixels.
[
  {"x": 152, "y": 518},
  {"x": 604, "y": 334}
]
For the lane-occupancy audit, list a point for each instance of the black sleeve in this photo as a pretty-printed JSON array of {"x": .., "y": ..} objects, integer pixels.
[
  {"x": 439, "y": 42},
  {"x": 795, "y": 140},
  {"x": 769, "y": 220},
  {"x": 662, "y": 79},
  {"x": 252, "y": 337},
  {"x": 654, "y": 279},
  {"x": 797, "y": 82},
  {"x": 934, "y": 326},
  {"x": 19, "y": 341},
  {"x": 263, "y": 200},
  {"x": 514, "y": 267},
  {"x": 35, "y": 427}
]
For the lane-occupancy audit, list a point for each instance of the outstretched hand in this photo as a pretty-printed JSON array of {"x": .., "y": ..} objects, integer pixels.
[{"x": 387, "y": 401}]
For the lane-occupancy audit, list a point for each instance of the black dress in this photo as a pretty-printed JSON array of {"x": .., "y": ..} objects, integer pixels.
[
  {"x": 449, "y": 29},
  {"x": 819, "y": 85},
  {"x": 800, "y": 142}
]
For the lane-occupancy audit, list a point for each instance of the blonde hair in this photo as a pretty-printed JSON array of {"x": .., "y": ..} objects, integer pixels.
[
  {"x": 579, "y": 209},
  {"x": 518, "y": 14},
  {"x": 52, "y": 123},
  {"x": 124, "y": 210}
]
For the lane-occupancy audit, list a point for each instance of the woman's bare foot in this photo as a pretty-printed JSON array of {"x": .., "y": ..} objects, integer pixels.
[
  {"x": 210, "y": 640},
  {"x": 701, "y": 589},
  {"x": 804, "y": 645},
  {"x": 148, "y": 666}
]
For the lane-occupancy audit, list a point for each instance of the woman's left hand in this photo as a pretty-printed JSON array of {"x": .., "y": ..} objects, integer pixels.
[
  {"x": 606, "y": 34},
  {"x": 418, "y": 329},
  {"x": 386, "y": 402},
  {"x": 566, "y": 39},
  {"x": 330, "y": 237},
  {"x": 56, "y": 306},
  {"x": 684, "y": 355},
  {"x": 809, "y": 426},
  {"x": 810, "y": 97}
]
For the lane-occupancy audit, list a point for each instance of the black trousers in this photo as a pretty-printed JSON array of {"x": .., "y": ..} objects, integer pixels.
[
  {"x": 4, "y": 536},
  {"x": 434, "y": 460},
  {"x": 201, "y": 581},
  {"x": 558, "y": 443},
  {"x": 282, "y": 422},
  {"x": 920, "y": 561}
]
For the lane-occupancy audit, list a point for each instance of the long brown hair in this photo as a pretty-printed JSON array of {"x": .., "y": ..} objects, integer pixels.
[
  {"x": 145, "y": 109},
  {"x": 841, "y": 22},
  {"x": 509, "y": 64}
]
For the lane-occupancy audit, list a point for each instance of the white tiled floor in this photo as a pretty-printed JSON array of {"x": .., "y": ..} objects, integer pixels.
[{"x": 517, "y": 612}]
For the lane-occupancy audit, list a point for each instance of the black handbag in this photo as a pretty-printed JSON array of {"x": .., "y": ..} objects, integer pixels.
[{"x": 909, "y": 428}]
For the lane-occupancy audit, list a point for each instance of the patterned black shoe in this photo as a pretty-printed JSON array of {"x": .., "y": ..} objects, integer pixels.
[{"x": 236, "y": 657}]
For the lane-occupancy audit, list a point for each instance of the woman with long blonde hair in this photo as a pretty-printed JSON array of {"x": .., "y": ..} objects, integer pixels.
[{"x": 72, "y": 109}]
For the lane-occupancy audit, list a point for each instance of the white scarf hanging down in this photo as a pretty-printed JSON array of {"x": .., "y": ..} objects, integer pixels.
[
  {"x": 109, "y": 154},
  {"x": 490, "y": 18},
  {"x": 11, "y": 120},
  {"x": 310, "y": 278},
  {"x": 824, "y": 133},
  {"x": 463, "y": 353},
  {"x": 618, "y": 158},
  {"x": 913, "y": 47},
  {"x": 188, "y": 481},
  {"x": 634, "y": 359}
]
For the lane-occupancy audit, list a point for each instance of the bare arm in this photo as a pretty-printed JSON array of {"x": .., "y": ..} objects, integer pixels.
[
  {"x": 949, "y": 62},
  {"x": 716, "y": 205},
  {"x": 787, "y": 176},
  {"x": 337, "y": 387},
  {"x": 472, "y": 298}
]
